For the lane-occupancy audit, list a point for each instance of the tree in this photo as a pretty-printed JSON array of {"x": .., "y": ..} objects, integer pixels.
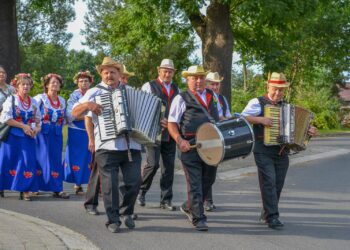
[
  {"x": 27, "y": 21},
  {"x": 215, "y": 32},
  {"x": 9, "y": 49},
  {"x": 139, "y": 34}
]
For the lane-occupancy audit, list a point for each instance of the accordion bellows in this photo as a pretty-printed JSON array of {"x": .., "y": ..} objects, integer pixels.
[
  {"x": 290, "y": 125},
  {"x": 130, "y": 111}
]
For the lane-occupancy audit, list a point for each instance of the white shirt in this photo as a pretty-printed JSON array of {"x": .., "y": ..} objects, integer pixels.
[
  {"x": 147, "y": 86},
  {"x": 7, "y": 111},
  {"x": 178, "y": 107},
  {"x": 221, "y": 112},
  {"x": 7, "y": 91},
  {"x": 119, "y": 143},
  {"x": 253, "y": 108}
]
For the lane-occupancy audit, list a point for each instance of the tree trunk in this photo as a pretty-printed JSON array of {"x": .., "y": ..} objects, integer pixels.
[
  {"x": 217, "y": 44},
  {"x": 9, "y": 46},
  {"x": 245, "y": 76}
]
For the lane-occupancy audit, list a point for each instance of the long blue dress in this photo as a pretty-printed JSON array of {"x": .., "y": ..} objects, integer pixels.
[
  {"x": 49, "y": 143},
  {"x": 18, "y": 165},
  {"x": 77, "y": 156}
]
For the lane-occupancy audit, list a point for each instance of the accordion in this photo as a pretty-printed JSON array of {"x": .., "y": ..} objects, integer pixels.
[
  {"x": 290, "y": 125},
  {"x": 130, "y": 111}
]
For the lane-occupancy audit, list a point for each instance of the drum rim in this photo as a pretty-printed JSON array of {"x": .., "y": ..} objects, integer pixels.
[
  {"x": 252, "y": 131},
  {"x": 222, "y": 141}
]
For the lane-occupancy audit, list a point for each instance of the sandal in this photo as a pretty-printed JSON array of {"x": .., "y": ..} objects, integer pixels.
[
  {"x": 2, "y": 195},
  {"x": 26, "y": 196},
  {"x": 78, "y": 189},
  {"x": 61, "y": 195}
]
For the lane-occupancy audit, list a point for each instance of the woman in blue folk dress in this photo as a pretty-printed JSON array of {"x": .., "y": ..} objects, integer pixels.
[
  {"x": 77, "y": 156},
  {"x": 18, "y": 165},
  {"x": 50, "y": 139},
  {"x": 5, "y": 91}
]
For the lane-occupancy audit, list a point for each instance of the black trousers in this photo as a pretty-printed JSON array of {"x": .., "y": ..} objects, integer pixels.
[
  {"x": 272, "y": 171},
  {"x": 199, "y": 177},
  {"x": 93, "y": 188},
  {"x": 109, "y": 163},
  {"x": 167, "y": 150},
  {"x": 209, "y": 196}
]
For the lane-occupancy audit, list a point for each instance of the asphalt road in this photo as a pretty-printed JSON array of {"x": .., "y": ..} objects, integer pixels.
[{"x": 315, "y": 207}]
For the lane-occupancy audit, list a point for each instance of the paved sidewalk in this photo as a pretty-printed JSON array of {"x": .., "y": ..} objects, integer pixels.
[{"x": 19, "y": 231}]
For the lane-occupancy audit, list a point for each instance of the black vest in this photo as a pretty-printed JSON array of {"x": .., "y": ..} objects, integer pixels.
[
  {"x": 156, "y": 89},
  {"x": 194, "y": 115},
  {"x": 259, "y": 132},
  {"x": 224, "y": 104}
]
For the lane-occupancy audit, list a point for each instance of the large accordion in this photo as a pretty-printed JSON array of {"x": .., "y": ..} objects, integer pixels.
[
  {"x": 290, "y": 125},
  {"x": 130, "y": 111}
]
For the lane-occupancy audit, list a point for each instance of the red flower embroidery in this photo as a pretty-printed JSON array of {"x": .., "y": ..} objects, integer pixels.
[
  {"x": 28, "y": 174},
  {"x": 38, "y": 172},
  {"x": 55, "y": 174},
  {"x": 75, "y": 168},
  {"x": 12, "y": 172}
]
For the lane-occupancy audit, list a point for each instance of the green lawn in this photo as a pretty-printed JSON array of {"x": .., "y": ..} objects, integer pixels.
[{"x": 323, "y": 132}]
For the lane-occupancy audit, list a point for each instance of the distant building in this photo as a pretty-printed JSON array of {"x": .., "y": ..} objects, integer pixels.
[{"x": 344, "y": 94}]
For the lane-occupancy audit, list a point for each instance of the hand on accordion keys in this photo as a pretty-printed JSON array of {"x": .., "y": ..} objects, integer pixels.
[{"x": 266, "y": 121}]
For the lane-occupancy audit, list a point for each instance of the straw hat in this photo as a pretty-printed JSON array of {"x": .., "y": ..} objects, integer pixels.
[
  {"x": 166, "y": 64},
  {"x": 196, "y": 70},
  {"x": 213, "y": 77},
  {"x": 278, "y": 80},
  {"x": 109, "y": 62},
  {"x": 126, "y": 72}
]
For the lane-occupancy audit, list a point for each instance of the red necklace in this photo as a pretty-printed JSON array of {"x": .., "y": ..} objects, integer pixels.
[
  {"x": 25, "y": 105},
  {"x": 53, "y": 104}
]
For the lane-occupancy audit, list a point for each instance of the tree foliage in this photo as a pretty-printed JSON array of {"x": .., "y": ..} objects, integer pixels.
[
  {"x": 44, "y": 20},
  {"x": 140, "y": 34}
]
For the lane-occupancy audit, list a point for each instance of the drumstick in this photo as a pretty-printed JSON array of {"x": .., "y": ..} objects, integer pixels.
[{"x": 198, "y": 145}]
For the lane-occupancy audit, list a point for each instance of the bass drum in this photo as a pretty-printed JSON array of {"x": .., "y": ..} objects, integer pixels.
[{"x": 224, "y": 140}]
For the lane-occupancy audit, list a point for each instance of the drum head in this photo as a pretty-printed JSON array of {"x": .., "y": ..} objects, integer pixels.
[{"x": 211, "y": 149}]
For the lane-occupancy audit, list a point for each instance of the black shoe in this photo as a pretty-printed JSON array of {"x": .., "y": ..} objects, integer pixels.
[
  {"x": 113, "y": 227},
  {"x": 201, "y": 226},
  {"x": 92, "y": 210},
  {"x": 2, "y": 194},
  {"x": 209, "y": 206},
  {"x": 275, "y": 223},
  {"x": 129, "y": 222},
  {"x": 187, "y": 212},
  {"x": 134, "y": 216},
  {"x": 78, "y": 189},
  {"x": 168, "y": 206},
  {"x": 61, "y": 195},
  {"x": 141, "y": 200}
]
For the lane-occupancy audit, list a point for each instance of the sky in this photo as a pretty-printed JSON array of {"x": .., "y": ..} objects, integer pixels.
[{"x": 75, "y": 27}]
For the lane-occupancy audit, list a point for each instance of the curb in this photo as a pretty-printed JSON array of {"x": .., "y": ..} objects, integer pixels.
[{"x": 70, "y": 238}]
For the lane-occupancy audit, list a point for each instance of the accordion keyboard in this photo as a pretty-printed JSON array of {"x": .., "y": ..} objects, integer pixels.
[
  {"x": 272, "y": 133},
  {"x": 106, "y": 119}
]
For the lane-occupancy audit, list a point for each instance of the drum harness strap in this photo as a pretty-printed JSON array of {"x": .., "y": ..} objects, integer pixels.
[
  {"x": 127, "y": 138},
  {"x": 211, "y": 119}
]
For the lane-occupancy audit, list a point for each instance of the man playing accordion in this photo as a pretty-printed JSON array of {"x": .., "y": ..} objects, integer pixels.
[{"x": 272, "y": 161}]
